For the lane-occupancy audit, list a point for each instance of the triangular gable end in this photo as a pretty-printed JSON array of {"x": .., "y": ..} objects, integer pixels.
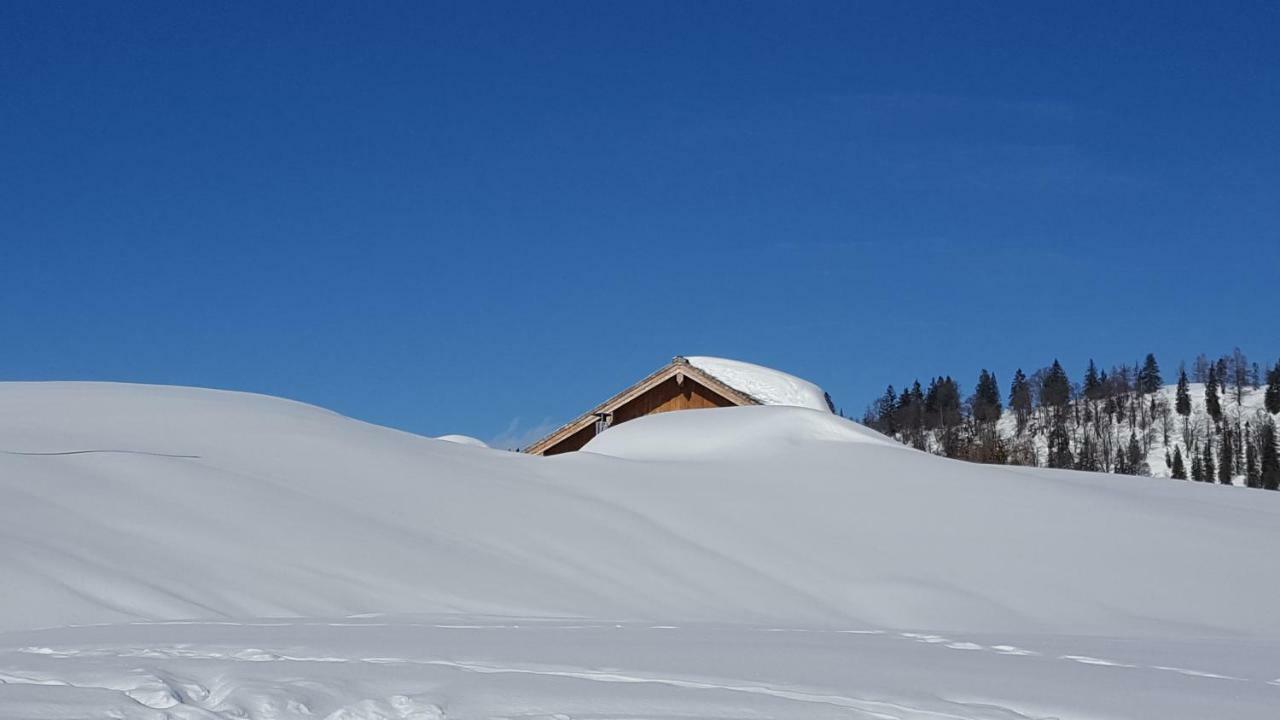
[{"x": 675, "y": 386}]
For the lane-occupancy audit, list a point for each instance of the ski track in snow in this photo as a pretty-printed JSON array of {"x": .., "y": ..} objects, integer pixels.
[
  {"x": 157, "y": 693},
  {"x": 256, "y": 655},
  {"x": 286, "y": 510},
  {"x": 160, "y": 689}
]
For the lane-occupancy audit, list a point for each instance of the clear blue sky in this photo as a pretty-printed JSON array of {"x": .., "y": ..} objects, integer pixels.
[{"x": 482, "y": 218}]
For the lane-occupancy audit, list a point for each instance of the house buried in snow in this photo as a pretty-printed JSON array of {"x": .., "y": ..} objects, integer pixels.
[{"x": 686, "y": 383}]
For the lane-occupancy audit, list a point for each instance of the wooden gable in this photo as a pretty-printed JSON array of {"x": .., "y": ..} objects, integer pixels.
[{"x": 675, "y": 386}]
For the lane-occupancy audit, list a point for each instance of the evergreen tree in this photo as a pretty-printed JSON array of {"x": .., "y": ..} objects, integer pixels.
[
  {"x": 949, "y": 401},
  {"x": 909, "y": 417},
  {"x": 1269, "y": 455},
  {"x": 1134, "y": 460},
  {"x": 1055, "y": 390},
  {"x": 1020, "y": 399},
  {"x": 1252, "y": 473},
  {"x": 986, "y": 398},
  {"x": 1211, "y": 403},
  {"x": 885, "y": 412},
  {"x": 1225, "y": 469},
  {"x": 1179, "y": 470},
  {"x": 1092, "y": 382},
  {"x": 1084, "y": 424},
  {"x": 1272, "y": 396},
  {"x": 1183, "y": 402},
  {"x": 911, "y": 420},
  {"x": 1060, "y": 444},
  {"x": 931, "y": 395},
  {"x": 1149, "y": 380},
  {"x": 942, "y": 411}
]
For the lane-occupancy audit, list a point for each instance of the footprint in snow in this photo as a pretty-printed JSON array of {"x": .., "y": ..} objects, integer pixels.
[
  {"x": 1085, "y": 659},
  {"x": 396, "y": 707},
  {"x": 1012, "y": 650},
  {"x": 921, "y": 637},
  {"x": 1196, "y": 673}
]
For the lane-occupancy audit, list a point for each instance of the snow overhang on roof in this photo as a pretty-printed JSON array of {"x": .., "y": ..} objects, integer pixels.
[
  {"x": 766, "y": 385},
  {"x": 738, "y": 382}
]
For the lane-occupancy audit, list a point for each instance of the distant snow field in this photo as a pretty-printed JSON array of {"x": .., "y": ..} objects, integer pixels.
[{"x": 183, "y": 553}]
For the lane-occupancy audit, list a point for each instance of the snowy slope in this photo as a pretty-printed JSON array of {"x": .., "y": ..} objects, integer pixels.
[
  {"x": 769, "y": 386},
  {"x": 1251, "y": 408},
  {"x": 186, "y": 503},
  {"x": 722, "y": 432},
  {"x": 140, "y": 504}
]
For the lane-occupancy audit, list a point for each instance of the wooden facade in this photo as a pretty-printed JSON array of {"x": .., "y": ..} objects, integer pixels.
[{"x": 675, "y": 386}]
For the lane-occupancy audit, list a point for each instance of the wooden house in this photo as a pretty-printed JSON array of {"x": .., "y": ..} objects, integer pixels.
[{"x": 678, "y": 385}]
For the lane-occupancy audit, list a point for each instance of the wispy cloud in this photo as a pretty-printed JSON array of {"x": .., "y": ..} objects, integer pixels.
[{"x": 518, "y": 435}]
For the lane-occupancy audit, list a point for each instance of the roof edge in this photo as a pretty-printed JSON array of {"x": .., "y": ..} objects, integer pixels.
[{"x": 678, "y": 364}]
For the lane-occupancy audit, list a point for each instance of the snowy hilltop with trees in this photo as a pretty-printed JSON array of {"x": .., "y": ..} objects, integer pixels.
[
  {"x": 185, "y": 554},
  {"x": 1216, "y": 423}
]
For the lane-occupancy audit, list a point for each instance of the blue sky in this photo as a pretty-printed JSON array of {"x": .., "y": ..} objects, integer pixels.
[{"x": 483, "y": 218}]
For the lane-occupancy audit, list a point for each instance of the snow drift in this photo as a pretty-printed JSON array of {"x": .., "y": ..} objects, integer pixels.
[
  {"x": 463, "y": 440},
  {"x": 769, "y": 386},
  {"x": 126, "y": 502},
  {"x": 729, "y": 432},
  {"x": 181, "y": 554}
]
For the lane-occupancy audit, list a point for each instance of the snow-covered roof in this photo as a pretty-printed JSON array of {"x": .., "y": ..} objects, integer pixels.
[
  {"x": 769, "y": 386},
  {"x": 734, "y": 381}
]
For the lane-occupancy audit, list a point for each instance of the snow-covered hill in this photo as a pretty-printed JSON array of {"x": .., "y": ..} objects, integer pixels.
[
  {"x": 1251, "y": 409},
  {"x": 409, "y": 571},
  {"x": 1160, "y": 431}
]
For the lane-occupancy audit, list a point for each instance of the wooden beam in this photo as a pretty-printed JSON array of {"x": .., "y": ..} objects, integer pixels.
[{"x": 678, "y": 368}]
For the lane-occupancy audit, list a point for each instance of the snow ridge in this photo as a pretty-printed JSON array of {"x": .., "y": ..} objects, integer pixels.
[{"x": 769, "y": 386}]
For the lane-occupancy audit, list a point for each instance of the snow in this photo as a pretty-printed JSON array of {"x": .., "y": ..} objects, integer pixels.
[
  {"x": 184, "y": 553},
  {"x": 769, "y": 386},
  {"x": 433, "y": 668},
  {"x": 729, "y": 431},
  {"x": 1249, "y": 409},
  {"x": 464, "y": 440}
]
